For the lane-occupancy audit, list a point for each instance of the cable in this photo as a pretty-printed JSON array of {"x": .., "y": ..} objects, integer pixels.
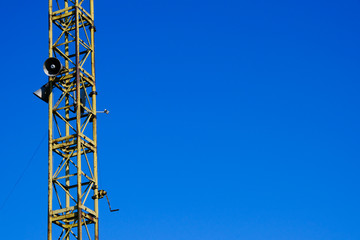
[{"x": 23, "y": 172}]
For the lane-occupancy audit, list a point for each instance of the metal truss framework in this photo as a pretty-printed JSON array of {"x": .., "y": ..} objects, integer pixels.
[{"x": 73, "y": 182}]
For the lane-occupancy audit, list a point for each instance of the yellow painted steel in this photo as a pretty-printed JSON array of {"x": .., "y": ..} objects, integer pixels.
[{"x": 73, "y": 211}]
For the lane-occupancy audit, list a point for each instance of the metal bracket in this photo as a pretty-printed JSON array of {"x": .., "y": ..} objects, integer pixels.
[
  {"x": 100, "y": 195},
  {"x": 111, "y": 210}
]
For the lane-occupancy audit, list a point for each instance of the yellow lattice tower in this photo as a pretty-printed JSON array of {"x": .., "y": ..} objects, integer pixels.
[{"x": 73, "y": 181}]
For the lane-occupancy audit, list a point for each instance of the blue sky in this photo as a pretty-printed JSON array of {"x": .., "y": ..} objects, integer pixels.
[{"x": 228, "y": 119}]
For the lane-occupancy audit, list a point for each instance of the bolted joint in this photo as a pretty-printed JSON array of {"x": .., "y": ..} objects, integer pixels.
[
  {"x": 93, "y": 27},
  {"x": 93, "y": 93}
]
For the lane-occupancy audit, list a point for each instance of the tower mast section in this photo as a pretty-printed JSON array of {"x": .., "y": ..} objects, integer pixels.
[{"x": 72, "y": 175}]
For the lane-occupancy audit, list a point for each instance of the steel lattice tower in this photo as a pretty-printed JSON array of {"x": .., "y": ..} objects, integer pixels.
[{"x": 72, "y": 178}]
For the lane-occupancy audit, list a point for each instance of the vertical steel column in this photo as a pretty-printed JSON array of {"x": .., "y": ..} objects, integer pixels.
[
  {"x": 77, "y": 66},
  {"x": 78, "y": 119},
  {"x": 50, "y": 134},
  {"x": 96, "y": 200},
  {"x": 67, "y": 114}
]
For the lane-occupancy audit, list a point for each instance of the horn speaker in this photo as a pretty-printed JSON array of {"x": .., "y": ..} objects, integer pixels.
[
  {"x": 43, "y": 93},
  {"x": 52, "y": 67}
]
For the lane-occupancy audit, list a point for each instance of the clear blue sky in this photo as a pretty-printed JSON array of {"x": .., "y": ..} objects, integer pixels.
[{"x": 228, "y": 119}]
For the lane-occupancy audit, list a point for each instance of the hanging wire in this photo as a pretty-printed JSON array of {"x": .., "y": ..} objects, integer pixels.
[{"x": 23, "y": 173}]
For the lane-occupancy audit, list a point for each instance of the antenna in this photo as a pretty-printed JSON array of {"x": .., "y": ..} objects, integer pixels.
[
  {"x": 114, "y": 210},
  {"x": 105, "y": 111}
]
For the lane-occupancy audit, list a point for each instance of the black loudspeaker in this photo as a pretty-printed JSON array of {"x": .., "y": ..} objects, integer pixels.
[
  {"x": 43, "y": 93},
  {"x": 52, "y": 67}
]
